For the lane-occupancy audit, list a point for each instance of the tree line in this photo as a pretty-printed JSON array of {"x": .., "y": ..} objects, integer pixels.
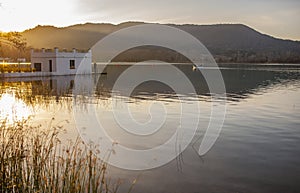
[{"x": 13, "y": 46}]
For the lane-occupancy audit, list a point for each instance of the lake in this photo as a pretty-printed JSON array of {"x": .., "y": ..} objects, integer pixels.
[{"x": 256, "y": 151}]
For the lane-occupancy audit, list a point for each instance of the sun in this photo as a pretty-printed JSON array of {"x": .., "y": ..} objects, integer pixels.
[{"x": 12, "y": 109}]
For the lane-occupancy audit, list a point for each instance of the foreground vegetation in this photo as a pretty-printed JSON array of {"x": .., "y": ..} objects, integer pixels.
[
  {"x": 10, "y": 68},
  {"x": 34, "y": 159}
]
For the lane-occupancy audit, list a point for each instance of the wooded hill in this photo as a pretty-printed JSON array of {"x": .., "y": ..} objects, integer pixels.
[{"x": 227, "y": 42}]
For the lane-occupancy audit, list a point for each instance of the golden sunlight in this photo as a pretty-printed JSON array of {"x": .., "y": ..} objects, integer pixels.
[
  {"x": 19, "y": 15},
  {"x": 13, "y": 109}
]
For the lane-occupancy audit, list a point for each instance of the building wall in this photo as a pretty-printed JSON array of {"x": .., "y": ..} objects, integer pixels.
[{"x": 61, "y": 61}]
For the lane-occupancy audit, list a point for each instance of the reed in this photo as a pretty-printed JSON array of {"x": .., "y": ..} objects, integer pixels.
[
  {"x": 11, "y": 68},
  {"x": 33, "y": 159}
]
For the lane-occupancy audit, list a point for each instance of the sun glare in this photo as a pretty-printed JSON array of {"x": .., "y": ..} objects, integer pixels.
[
  {"x": 19, "y": 15},
  {"x": 13, "y": 109}
]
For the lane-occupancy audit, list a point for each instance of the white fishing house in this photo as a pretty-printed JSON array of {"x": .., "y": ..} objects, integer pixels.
[{"x": 55, "y": 62}]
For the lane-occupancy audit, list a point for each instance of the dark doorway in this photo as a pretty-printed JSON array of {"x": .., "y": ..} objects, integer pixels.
[{"x": 50, "y": 65}]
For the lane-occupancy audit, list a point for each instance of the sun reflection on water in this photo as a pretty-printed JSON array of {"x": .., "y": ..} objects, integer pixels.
[{"x": 13, "y": 109}]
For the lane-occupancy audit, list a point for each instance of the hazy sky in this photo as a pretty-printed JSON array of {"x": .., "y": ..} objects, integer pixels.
[{"x": 279, "y": 18}]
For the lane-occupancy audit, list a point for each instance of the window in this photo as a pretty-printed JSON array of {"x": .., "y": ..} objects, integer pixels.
[
  {"x": 72, "y": 64},
  {"x": 38, "y": 67}
]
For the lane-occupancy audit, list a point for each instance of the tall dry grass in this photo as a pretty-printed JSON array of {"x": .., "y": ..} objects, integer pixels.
[
  {"x": 33, "y": 159},
  {"x": 11, "y": 68}
]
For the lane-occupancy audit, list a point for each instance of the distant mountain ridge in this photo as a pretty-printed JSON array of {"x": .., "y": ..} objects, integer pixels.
[{"x": 227, "y": 42}]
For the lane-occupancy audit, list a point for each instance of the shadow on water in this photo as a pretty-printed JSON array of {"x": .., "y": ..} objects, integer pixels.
[{"x": 240, "y": 83}]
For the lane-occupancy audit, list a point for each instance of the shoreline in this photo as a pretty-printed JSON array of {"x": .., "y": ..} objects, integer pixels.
[{"x": 227, "y": 65}]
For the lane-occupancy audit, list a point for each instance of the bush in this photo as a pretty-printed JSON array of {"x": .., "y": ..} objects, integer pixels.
[{"x": 10, "y": 68}]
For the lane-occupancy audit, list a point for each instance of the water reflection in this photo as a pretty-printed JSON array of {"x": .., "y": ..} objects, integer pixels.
[
  {"x": 13, "y": 109},
  {"x": 258, "y": 149},
  {"x": 240, "y": 84}
]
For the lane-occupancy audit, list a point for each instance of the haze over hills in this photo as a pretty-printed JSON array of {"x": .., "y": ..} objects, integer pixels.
[{"x": 227, "y": 42}]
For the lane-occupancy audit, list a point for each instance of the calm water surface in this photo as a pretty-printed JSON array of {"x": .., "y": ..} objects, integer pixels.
[{"x": 257, "y": 151}]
